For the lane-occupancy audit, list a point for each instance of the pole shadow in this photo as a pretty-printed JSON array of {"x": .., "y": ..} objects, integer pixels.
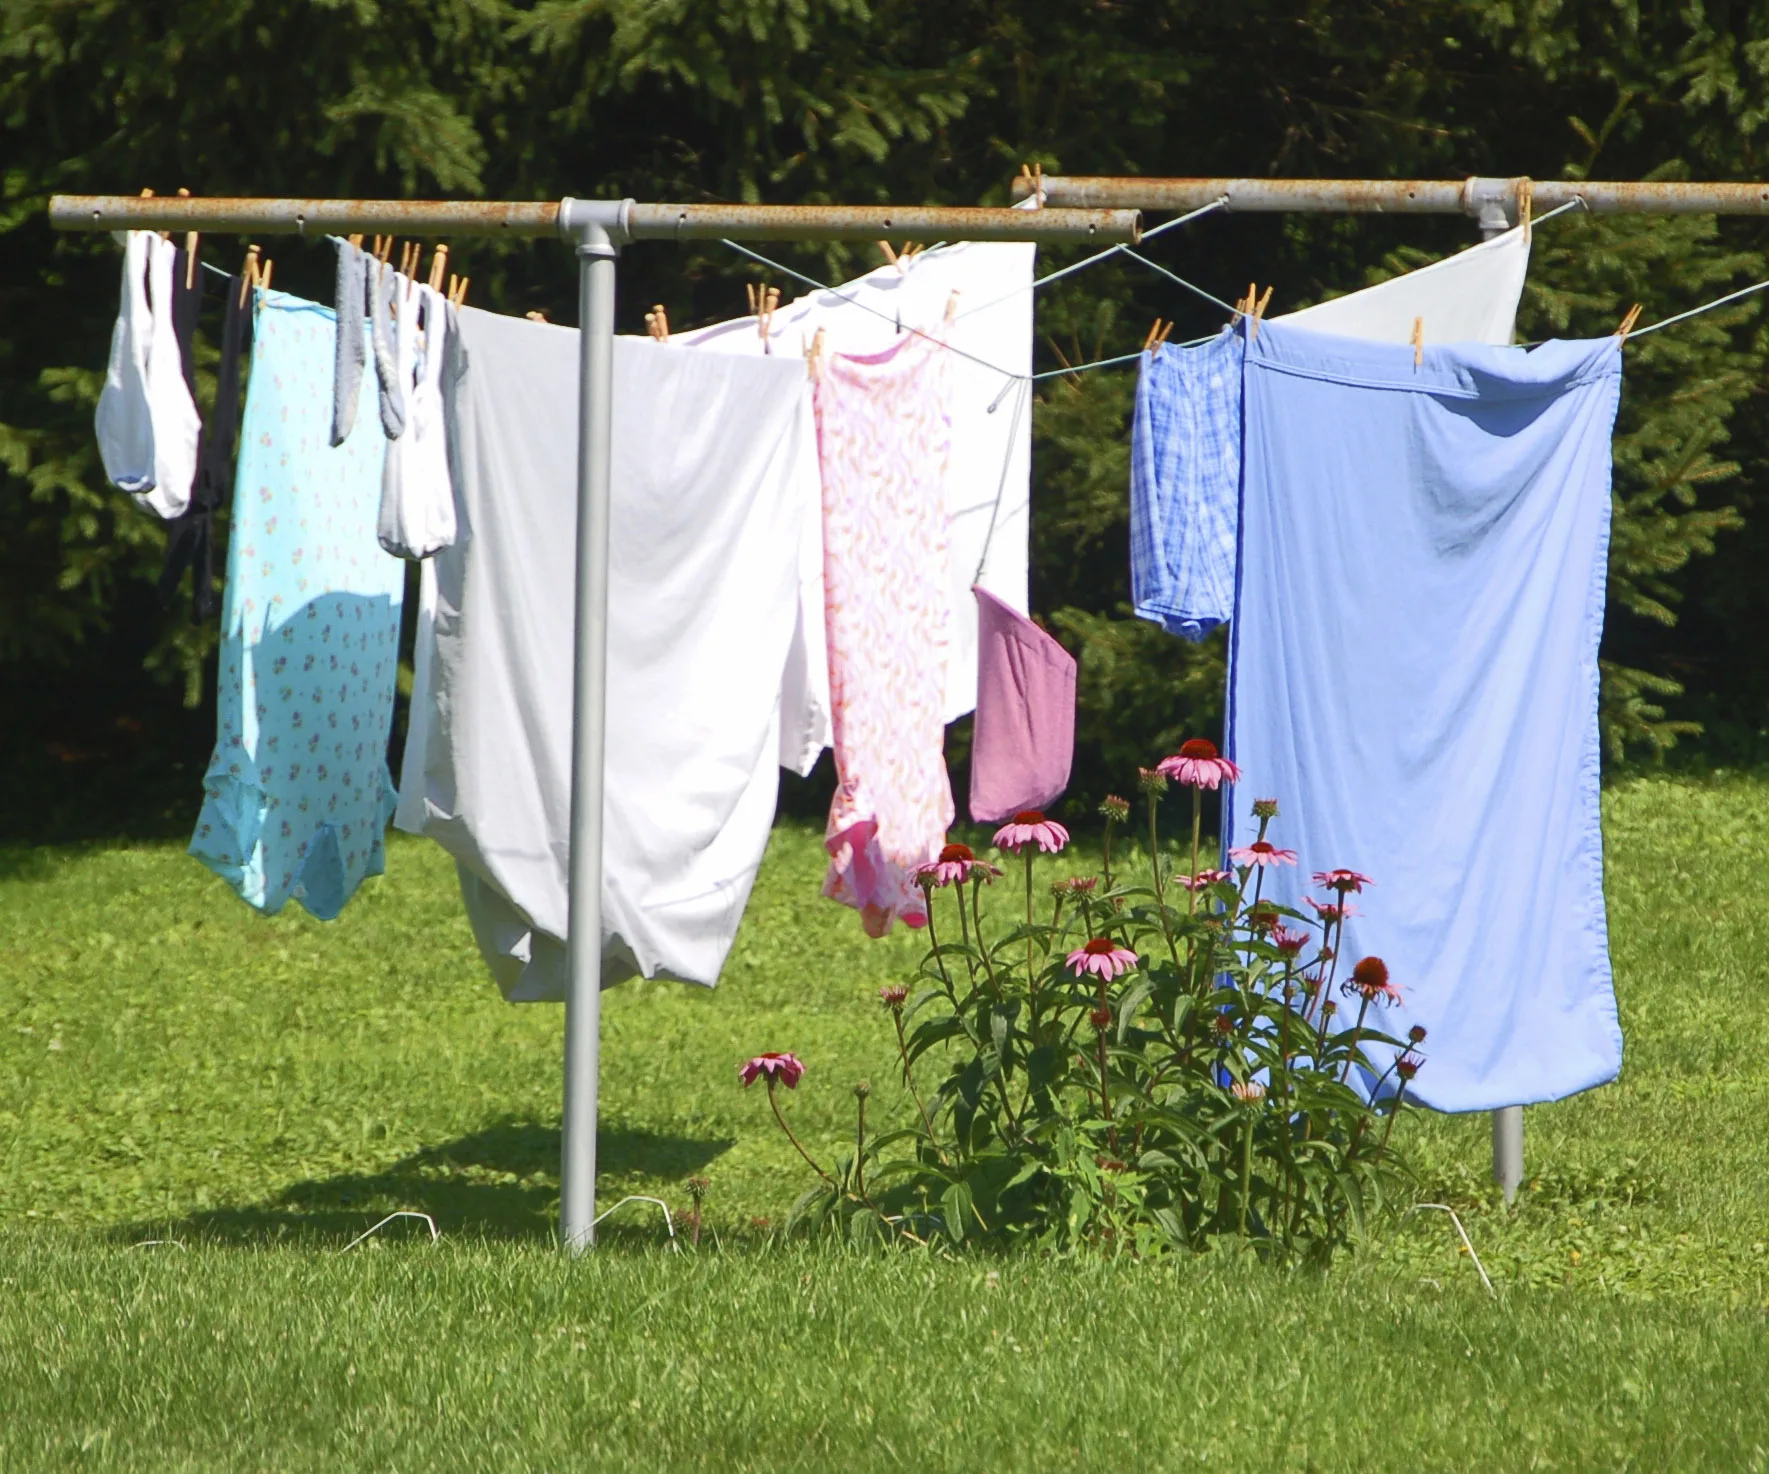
[{"x": 500, "y": 1183}]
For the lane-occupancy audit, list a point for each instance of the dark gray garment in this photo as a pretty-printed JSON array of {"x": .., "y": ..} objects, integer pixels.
[
  {"x": 382, "y": 279},
  {"x": 351, "y": 302}
]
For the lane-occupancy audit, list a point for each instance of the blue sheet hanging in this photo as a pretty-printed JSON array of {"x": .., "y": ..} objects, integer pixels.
[{"x": 1414, "y": 677}]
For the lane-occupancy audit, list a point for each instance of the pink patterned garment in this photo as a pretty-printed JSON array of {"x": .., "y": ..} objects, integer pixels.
[{"x": 882, "y": 437}]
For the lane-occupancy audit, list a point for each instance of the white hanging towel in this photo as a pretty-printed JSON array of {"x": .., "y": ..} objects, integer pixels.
[
  {"x": 1470, "y": 297},
  {"x": 989, "y": 467},
  {"x": 417, "y": 517},
  {"x": 146, "y": 421},
  {"x": 714, "y": 481}
]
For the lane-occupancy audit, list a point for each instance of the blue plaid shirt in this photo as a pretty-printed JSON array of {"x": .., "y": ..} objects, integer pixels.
[{"x": 1185, "y": 485}]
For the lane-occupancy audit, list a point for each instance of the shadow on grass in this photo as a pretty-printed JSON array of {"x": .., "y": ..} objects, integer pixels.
[{"x": 500, "y": 1183}]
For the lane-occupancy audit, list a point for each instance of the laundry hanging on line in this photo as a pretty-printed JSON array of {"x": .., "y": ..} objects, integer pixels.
[
  {"x": 298, "y": 794},
  {"x": 1023, "y": 741},
  {"x": 146, "y": 420},
  {"x": 989, "y": 467},
  {"x": 883, "y": 437},
  {"x": 1186, "y": 434},
  {"x": 1413, "y": 676},
  {"x": 714, "y": 549}
]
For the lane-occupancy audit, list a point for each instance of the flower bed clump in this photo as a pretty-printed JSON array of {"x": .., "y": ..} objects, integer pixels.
[{"x": 1141, "y": 1063}]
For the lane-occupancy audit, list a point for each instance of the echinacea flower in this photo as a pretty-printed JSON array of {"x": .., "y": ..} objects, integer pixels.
[
  {"x": 1101, "y": 1019},
  {"x": 1247, "y": 1091},
  {"x": 1076, "y": 885},
  {"x": 1151, "y": 781},
  {"x": 1262, "y": 852},
  {"x": 1203, "y": 880},
  {"x": 1198, "y": 765},
  {"x": 1342, "y": 880},
  {"x": 957, "y": 863},
  {"x": 893, "y": 995},
  {"x": 786, "y": 1068},
  {"x": 1408, "y": 1065},
  {"x": 1370, "y": 980},
  {"x": 1265, "y": 808},
  {"x": 1224, "y": 1024},
  {"x": 1031, "y": 827},
  {"x": 1288, "y": 942},
  {"x": 1102, "y": 957},
  {"x": 1416, "y": 1034},
  {"x": 1114, "y": 808},
  {"x": 1330, "y": 913}
]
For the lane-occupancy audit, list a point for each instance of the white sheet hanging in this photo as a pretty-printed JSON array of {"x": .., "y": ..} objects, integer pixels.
[
  {"x": 1470, "y": 297},
  {"x": 714, "y": 483},
  {"x": 989, "y": 471}
]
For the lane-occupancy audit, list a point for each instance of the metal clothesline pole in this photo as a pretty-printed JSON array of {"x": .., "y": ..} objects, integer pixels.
[
  {"x": 597, "y": 229},
  {"x": 1480, "y": 196}
]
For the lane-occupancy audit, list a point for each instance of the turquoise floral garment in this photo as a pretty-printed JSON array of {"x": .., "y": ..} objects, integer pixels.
[{"x": 298, "y": 792}]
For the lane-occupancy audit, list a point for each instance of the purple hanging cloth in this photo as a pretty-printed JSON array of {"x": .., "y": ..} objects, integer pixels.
[{"x": 1025, "y": 725}]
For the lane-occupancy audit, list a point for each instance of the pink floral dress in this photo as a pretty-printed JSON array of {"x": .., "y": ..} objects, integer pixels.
[{"x": 882, "y": 438}]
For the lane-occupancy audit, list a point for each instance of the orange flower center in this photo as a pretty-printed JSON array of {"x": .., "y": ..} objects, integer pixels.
[
  {"x": 1370, "y": 974},
  {"x": 1201, "y": 747},
  {"x": 1260, "y": 847},
  {"x": 1101, "y": 947},
  {"x": 955, "y": 852},
  {"x": 1028, "y": 816}
]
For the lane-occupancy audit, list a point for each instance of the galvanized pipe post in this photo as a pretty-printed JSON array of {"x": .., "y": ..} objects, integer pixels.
[{"x": 597, "y": 228}]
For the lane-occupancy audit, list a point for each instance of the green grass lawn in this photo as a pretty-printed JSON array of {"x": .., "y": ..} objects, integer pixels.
[{"x": 175, "y": 1067}]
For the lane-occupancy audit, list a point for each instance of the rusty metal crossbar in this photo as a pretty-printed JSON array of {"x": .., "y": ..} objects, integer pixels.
[
  {"x": 1480, "y": 197},
  {"x": 638, "y": 221}
]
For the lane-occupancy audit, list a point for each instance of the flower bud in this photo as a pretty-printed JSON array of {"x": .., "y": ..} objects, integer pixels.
[
  {"x": 893, "y": 996},
  {"x": 1265, "y": 808},
  {"x": 1151, "y": 782},
  {"x": 1101, "y": 1018},
  {"x": 1416, "y": 1034},
  {"x": 1114, "y": 808}
]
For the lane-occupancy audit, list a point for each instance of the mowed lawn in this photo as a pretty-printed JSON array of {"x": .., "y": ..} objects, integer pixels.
[{"x": 252, "y": 1093}]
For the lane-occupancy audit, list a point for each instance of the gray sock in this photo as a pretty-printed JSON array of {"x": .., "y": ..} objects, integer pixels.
[
  {"x": 386, "y": 359},
  {"x": 352, "y": 352}
]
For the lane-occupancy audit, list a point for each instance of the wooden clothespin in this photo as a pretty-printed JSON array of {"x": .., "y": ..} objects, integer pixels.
[
  {"x": 1157, "y": 336},
  {"x": 952, "y": 308},
  {"x": 814, "y": 356},
  {"x": 438, "y": 265},
  {"x": 355, "y": 240},
  {"x": 457, "y": 290},
  {"x": 657, "y": 323},
  {"x": 383, "y": 248},
  {"x": 1526, "y": 191},
  {"x": 1038, "y": 184},
  {"x": 889, "y": 254},
  {"x": 1264, "y": 302},
  {"x": 248, "y": 273},
  {"x": 1628, "y": 322},
  {"x": 411, "y": 258},
  {"x": 1418, "y": 341},
  {"x": 190, "y": 250},
  {"x": 264, "y": 273},
  {"x": 535, "y": 316}
]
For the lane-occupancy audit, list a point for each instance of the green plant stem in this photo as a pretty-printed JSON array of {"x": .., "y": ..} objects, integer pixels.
[
  {"x": 1106, "y": 847},
  {"x": 1160, "y": 889},
  {"x": 976, "y": 906},
  {"x": 1399, "y": 1095},
  {"x": 1191, "y": 896},
  {"x": 1246, "y": 1172},
  {"x": 1357, "y": 1030},
  {"x": 1031, "y": 965},
  {"x": 860, "y": 1146},
  {"x": 933, "y": 937},
  {"x": 793, "y": 1139},
  {"x": 909, "y": 1083}
]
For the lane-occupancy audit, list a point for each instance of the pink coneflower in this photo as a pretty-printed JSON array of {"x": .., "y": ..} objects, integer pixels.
[
  {"x": 1262, "y": 852},
  {"x": 1031, "y": 827},
  {"x": 1248, "y": 1092},
  {"x": 1288, "y": 942},
  {"x": 1203, "y": 880},
  {"x": 1197, "y": 764},
  {"x": 893, "y": 996},
  {"x": 1077, "y": 885},
  {"x": 1330, "y": 913},
  {"x": 1102, "y": 957},
  {"x": 1342, "y": 880},
  {"x": 1114, "y": 808},
  {"x": 1408, "y": 1065},
  {"x": 1265, "y": 808},
  {"x": 1370, "y": 980},
  {"x": 957, "y": 863},
  {"x": 786, "y": 1068},
  {"x": 1417, "y": 1033}
]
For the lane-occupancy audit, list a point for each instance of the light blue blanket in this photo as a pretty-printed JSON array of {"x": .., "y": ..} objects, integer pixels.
[
  {"x": 1414, "y": 678},
  {"x": 297, "y": 795}
]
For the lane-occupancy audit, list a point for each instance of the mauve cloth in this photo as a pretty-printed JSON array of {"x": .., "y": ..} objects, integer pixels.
[{"x": 1024, "y": 738}]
